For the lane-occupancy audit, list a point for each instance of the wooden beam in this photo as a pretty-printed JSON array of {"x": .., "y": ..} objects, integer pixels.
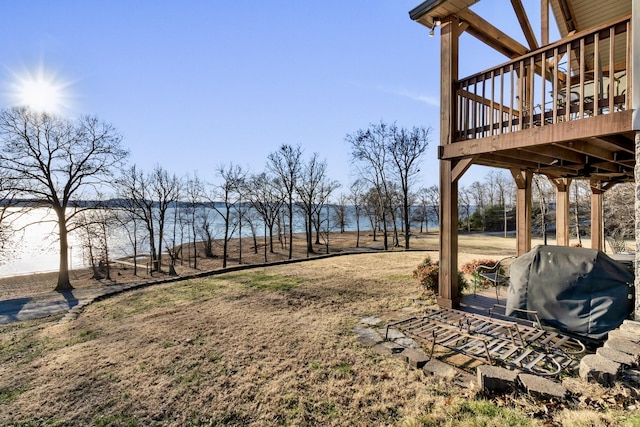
[
  {"x": 561, "y": 154},
  {"x": 616, "y": 142},
  {"x": 521, "y": 14},
  {"x": 558, "y": 133},
  {"x": 541, "y": 157},
  {"x": 544, "y": 22},
  {"x": 490, "y": 35},
  {"x": 592, "y": 150},
  {"x": 461, "y": 167},
  {"x": 568, "y": 17}
]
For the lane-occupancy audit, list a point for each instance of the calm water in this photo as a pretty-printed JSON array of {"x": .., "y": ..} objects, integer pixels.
[{"x": 35, "y": 249}]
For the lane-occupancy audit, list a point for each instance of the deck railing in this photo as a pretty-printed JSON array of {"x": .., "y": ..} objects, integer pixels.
[{"x": 578, "y": 77}]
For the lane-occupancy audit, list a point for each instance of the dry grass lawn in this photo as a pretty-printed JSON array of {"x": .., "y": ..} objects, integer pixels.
[{"x": 266, "y": 346}]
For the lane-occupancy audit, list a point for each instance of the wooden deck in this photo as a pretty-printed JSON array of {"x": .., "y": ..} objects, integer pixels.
[{"x": 482, "y": 301}]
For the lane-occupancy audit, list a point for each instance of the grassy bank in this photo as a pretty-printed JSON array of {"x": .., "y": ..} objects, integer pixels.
[{"x": 268, "y": 346}]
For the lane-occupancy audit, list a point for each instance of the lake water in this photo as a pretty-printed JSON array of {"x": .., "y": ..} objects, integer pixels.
[{"x": 35, "y": 249}]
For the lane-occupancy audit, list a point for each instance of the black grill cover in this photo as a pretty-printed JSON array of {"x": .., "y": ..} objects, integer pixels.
[{"x": 575, "y": 290}]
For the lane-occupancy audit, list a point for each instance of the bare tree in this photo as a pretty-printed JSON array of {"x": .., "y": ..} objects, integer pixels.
[
  {"x": 406, "y": 148},
  {"x": 53, "y": 160},
  {"x": 505, "y": 190},
  {"x": 421, "y": 212},
  {"x": 286, "y": 164},
  {"x": 127, "y": 220},
  {"x": 95, "y": 227},
  {"x": 326, "y": 188},
  {"x": 542, "y": 191},
  {"x": 227, "y": 194},
  {"x": 340, "y": 216},
  {"x": 581, "y": 192},
  {"x": 619, "y": 211},
  {"x": 464, "y": 200},
  {"x": 478, "y": 193},
  {"x": 149, "y": 196},
  {"x": 356, "y": 196},
  {"x": 207, "y": 230},
  {"x": 194, "y": 203},
  {"x": 7, "y": 202},
  {"x": 174, "y": 248},
  {"x": 370, "y": 156},
  {"x": 373, "y": 207},
  {"x": 165, "y": 188},
  {"x": 266, "y": 198},
  {"x": 432, "y": 194},
  {"x": 308, "y": 187}
]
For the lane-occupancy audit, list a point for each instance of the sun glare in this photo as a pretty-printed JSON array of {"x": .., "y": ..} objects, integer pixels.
[{"x": 41, "y": 92}]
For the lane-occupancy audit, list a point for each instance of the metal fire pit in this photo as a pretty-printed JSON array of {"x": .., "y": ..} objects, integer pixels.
[{"x": 493, "y": 341}]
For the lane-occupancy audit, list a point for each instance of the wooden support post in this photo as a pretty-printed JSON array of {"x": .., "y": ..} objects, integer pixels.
[
  {"x": 450, "y": 171},
  {"x": 544, "y": 22},
  {"x": 523, "y": 181},
  {"x": 596, "y": 215},
  {"x": 562, "y": 211},
  {"x": 448, "y": 295}
]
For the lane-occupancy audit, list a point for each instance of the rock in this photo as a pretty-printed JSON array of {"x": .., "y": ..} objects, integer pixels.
[
  {"x": 387, "y": 348},
  {"x": 624, "y": 346},
  {"x": 631, "y": 326},
  {"x": 371, "y": 321},
  {"x": 594, "y": 367},
  {"x": 617, "y": 356},
  {"x": 439, "y": 369},
  {"x": 632, "y": 336},
  {"x": 367, "y": 336},
  {"x": 391, "y": 334},
  {"x": 542, "y": 387},
  {"x": 495, "y": 379},
  {"x": 406, "y": 342},
  {"x": 416, "y": 358}
]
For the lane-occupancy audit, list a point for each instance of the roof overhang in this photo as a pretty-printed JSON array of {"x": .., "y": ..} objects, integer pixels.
[{"x": 428, "y": 11}]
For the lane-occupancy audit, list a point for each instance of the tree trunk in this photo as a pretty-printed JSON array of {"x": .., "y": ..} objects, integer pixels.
[
  {"x": 159, "y": 249},
  {"x": 357, "y": 231},
  {"x": 290, "y": 228},
  {"x": 225, "y": 244},
  {"x": 385, "y": 238},
  {"x": 64, "y": 284},
  {"x": 195, "y": 247},
  {"x": 407, "y": 226},
  {"x": 239, "y": 232},
  {"x": 309, "y": 233},
  {"x": 271, "y": 238}
]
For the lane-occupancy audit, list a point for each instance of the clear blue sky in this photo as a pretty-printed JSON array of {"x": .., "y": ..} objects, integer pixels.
[{"x": 195, "y": 84}]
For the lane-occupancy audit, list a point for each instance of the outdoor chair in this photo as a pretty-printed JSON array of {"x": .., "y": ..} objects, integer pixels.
[{"x": 497, "y": 274}]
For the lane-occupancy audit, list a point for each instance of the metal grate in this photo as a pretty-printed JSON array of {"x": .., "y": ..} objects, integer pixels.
[{"x": 494, "y": 341}]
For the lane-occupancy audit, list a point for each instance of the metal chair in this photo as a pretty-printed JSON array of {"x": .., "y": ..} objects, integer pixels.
[{"x": 497, "y": 274}]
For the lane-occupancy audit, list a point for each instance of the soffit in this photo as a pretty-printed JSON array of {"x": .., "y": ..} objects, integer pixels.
[
  {"x": 426, "y": 12},
  {"x": 580, "y": 15}
]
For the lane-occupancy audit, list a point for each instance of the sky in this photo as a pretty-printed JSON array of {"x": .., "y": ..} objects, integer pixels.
[{"x": 192, "y": 85}]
